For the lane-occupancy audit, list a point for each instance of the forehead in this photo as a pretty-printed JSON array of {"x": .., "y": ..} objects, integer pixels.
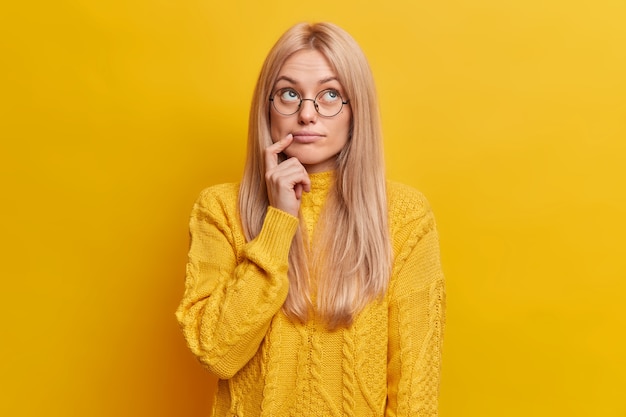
[{"x": 307, "y": 65}]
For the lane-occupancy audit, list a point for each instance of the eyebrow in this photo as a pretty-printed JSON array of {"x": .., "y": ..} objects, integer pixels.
[{"x": 292, "y": 81}]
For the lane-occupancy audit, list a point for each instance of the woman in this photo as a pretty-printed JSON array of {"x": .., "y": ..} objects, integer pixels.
[{"x": 314, "y": 287}]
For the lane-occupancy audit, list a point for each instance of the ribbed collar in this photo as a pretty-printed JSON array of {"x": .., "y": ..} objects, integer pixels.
[{"x": 321, "y": 180}]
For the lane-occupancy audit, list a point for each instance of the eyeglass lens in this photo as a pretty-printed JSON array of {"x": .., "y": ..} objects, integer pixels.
[{"x": 288, "y": 101}]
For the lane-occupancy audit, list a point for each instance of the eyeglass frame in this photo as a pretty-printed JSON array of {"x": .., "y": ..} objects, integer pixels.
[{"x": 314, "y": 100}]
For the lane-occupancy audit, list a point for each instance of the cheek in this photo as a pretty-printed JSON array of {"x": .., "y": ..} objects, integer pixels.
[
  {"x": 344, "y": 126},
  {"x": 276, "y": 128}
]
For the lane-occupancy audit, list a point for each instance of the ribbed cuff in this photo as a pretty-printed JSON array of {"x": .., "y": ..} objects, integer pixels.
[{"x": 272, "y": 244}]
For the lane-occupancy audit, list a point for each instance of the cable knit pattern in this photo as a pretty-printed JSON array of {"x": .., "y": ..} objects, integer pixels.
[
  {"x": 347, "y": 367},
  {"x": 386, "y": 364},
  {"x": 303, "y": 381},
  {"x": 313, "y": 202},
  {"x": 272, "y": 375},
  {"x": 371, "y": 329}
]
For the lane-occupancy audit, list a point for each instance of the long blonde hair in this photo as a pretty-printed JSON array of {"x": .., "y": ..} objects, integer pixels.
[{"x": 353, "y": 227}]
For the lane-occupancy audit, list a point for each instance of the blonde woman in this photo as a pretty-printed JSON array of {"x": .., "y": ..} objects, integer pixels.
[{"x": 314, "y": 287}]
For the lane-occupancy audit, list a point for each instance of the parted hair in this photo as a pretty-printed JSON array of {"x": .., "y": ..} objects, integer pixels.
[{"x": 352, "y": 248}]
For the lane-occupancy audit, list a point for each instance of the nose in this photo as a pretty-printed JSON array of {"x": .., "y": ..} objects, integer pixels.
[{"x": 307, "y": 113}]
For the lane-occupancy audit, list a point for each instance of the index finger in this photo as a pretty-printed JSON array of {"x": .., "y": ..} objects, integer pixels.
[{"x": 272, "y": 151}]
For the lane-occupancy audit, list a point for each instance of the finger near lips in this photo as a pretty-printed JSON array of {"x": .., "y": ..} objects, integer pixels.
[
  {"x": 272, "y": 151},
  {"x": 288, "y": 175}
]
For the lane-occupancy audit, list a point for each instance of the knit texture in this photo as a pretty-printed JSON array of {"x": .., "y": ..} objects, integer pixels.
[{"x": 386, "y": 364}]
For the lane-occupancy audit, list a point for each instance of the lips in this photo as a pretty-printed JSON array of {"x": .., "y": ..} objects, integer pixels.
[{"x": 306, "y": 136}]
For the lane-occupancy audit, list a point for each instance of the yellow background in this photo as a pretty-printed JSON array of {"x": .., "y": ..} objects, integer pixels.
[{"x": 509, "y": 115}]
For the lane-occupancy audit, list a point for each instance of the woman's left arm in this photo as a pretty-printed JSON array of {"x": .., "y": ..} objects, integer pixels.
[{"x": 416, "y": 322}]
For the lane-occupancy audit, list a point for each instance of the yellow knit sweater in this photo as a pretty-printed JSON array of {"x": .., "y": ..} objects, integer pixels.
[{"x": 386, "y": 364}]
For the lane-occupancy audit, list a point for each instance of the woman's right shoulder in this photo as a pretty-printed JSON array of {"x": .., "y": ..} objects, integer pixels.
[{"x": 219, "y": 197}]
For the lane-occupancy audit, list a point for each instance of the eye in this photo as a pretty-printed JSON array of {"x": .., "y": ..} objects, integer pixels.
[
  {"x": 288, "y": 95},
  {"x": 329, "y": 96}
]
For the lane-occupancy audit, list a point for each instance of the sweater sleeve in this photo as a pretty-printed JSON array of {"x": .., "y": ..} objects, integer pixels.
[
  {"x": 231, "y": 295},
  {"x": 416, "y": 322}
]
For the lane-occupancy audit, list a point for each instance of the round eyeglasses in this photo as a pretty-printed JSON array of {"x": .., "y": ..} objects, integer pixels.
[{"x": 327, "y": 103}]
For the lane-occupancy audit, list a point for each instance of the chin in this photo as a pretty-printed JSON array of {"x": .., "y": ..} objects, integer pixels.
[{"x": 305, "y": 158}]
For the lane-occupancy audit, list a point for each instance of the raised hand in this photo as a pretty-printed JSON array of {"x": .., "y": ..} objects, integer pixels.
[{"x": 285, "y": 181}]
